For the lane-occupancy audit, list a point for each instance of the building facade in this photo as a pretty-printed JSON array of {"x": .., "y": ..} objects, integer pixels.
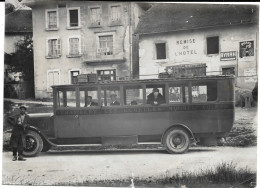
[
  {"x": 81, "y": 37},
  {"x": 225, "y": 38}
]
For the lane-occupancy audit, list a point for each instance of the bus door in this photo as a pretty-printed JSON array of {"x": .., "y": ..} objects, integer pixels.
[
  {"x": 66, "y": 119},
  {"x": 89, "y": 108}
]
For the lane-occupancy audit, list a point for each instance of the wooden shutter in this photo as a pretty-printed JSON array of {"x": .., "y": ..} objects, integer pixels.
[{"x": 59, "y": 47}]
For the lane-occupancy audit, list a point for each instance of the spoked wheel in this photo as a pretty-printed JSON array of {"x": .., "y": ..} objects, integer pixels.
[
  {"x": 176, "y": 140},
  {"x": 34, "y": 144}
]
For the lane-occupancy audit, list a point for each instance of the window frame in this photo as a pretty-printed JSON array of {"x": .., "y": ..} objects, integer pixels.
[
  {"x": 133, "y": 85},
  {"x": 212, "y": 54},
  {"x": 98, "y": 43},
  {"x": 164, "y": 92},
  {"x": 181, "y": 85},
  {"x": 79, "y": 46},
  {"x": 201, "y": 83},
  {"x": 109, "y": 74},
  {"x": 69, "y": 74},
  {"x": 162, "y": 42},
  {"x": 68, "y": 18},
  {"x": 47, "y": 79},
  {"x": 90, "y": 16},
  {"x": 85, "y": 87},
  {"x": 110, "y": 14},
  {"x": 59, "y": 48},
  {"x": 47, "y": 19},
  {"x": 228, "y": 66}
]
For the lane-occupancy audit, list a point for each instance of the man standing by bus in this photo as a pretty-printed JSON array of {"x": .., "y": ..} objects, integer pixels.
[
  {"x": 17, "y": 140},
  {"x": 155, "y": 98}
]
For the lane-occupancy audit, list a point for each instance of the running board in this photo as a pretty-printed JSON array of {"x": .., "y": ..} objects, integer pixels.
[
  {"x": 149, "y": 143},
  {"x": 78, "y": 145}
]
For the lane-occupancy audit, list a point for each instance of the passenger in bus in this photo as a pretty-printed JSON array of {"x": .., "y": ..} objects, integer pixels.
[
  {"x": 133, "y": 103},
  {"x": 114, "y": 100},
  {"x": 90, "y": 102},
  {"x": 155, "y": 98}
]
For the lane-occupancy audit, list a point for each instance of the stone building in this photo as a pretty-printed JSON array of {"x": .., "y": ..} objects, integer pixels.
[
  {"x": 223, "y": 37},
  {"x": 82, "y": 37}
]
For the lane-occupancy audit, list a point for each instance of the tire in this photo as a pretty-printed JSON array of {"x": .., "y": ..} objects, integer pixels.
[
  {"x": 34, "y": 144},
  {"x": 176, "y": 141},
  {"x": 46, "y": 147}
]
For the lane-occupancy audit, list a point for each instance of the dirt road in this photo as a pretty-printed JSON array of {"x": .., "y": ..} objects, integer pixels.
[{"x": 68, "y": 167}]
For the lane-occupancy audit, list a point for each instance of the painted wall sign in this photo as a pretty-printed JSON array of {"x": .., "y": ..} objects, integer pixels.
[
  {"x": 228, "y": 56},
  {"x": 185, "y": 47},
  {"x": 250, "y": 75},
  {"x": 246, "y": 49}
]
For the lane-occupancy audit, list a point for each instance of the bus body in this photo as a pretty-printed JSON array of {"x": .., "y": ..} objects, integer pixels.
[{"x": 198, "y": 109}]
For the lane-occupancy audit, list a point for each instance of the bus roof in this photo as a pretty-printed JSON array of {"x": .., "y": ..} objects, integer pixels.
[{"x": 139, "y": 81}]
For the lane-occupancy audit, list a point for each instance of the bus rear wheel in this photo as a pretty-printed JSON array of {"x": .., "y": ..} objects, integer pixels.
[
  {"x": 176, "y": 140},
  {"x": 34, "y": 144}
]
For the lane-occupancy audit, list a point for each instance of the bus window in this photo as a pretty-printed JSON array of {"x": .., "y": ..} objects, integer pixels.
[
  {"x": 133, "y": 95},
  {"x": 88, "y": 97},
  {"x": 204, "y": 92},
  {"x": 178, "y": 94},
  {"x": 60, "y": 100},
  {"x": 155, "y": 94},
  {"x": 66, "y": 98},
  {"x": 110, "y": 96},
  {"x": 71, "y": 98}
]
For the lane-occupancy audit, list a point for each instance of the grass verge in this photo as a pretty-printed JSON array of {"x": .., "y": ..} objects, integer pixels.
[{"x": 224, "y": 175}]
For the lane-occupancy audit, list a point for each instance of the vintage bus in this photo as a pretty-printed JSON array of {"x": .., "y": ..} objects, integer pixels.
[{"x": 197, "y": 109}]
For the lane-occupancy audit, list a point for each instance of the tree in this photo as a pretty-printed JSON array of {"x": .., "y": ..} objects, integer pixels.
[
  {"x": 22, "y": 59},
  {"x": 9, "y": 8}
]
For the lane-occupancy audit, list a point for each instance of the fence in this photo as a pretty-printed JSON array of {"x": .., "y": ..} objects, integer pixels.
[{"x": 22, "y": 90}]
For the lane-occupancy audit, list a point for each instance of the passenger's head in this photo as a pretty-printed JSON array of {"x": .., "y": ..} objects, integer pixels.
[
  {"x": 89, "y": 99},
  {"x": 155, "y": 92},
  {"x": 113, "y": 97}
]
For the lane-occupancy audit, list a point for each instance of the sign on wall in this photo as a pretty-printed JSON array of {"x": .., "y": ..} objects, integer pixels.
[
  {"x": 250, "y": 75},
  {"x": 246, "y": 49},
  {"x": 228, "y": 56},
  {"x": 186, "y": 47}
]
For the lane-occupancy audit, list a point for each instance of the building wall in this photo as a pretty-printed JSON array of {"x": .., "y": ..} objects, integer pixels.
[
  {"x": 89, "y": 61},
  {"x": 195, "y": 51}
]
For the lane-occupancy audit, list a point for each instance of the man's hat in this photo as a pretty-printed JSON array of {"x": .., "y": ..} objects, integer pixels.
[
  {"x": 23, "y": 106},
  {"x": 155, "y": 90},
  {"x": 113, "y": 94}
]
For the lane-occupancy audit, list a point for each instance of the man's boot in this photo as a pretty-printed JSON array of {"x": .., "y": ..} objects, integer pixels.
[
  {"x": 20, "y": 158},
  {"x": 14, "y": 158}
]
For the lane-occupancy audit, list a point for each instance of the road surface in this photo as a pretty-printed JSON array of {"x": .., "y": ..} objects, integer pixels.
[{"x": 77, "y": 166}]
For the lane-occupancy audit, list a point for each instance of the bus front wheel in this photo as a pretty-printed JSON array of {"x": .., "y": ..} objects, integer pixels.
[
  {"x": 34, "y": 144},
  {"x": 176, "y": 140}
]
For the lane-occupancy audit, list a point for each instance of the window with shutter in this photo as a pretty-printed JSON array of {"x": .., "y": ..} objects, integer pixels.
[
  {"x": 95, "y": 15},
  {"x": 74, "y": 46},
  {"x": 54, "y": 48},
  {"x": 53, "y": 78},
  {"x": 115, "y": 13},
  {"x": 52, "y": 19}
]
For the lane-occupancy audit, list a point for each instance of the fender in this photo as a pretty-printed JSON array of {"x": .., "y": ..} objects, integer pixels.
[
  {"x": 43, "y": 136},
  {"x": 180, "y": 126}
]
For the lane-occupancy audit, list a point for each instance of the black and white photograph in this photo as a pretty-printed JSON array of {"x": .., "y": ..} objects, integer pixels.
[{"x": 130, "y": 94}]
